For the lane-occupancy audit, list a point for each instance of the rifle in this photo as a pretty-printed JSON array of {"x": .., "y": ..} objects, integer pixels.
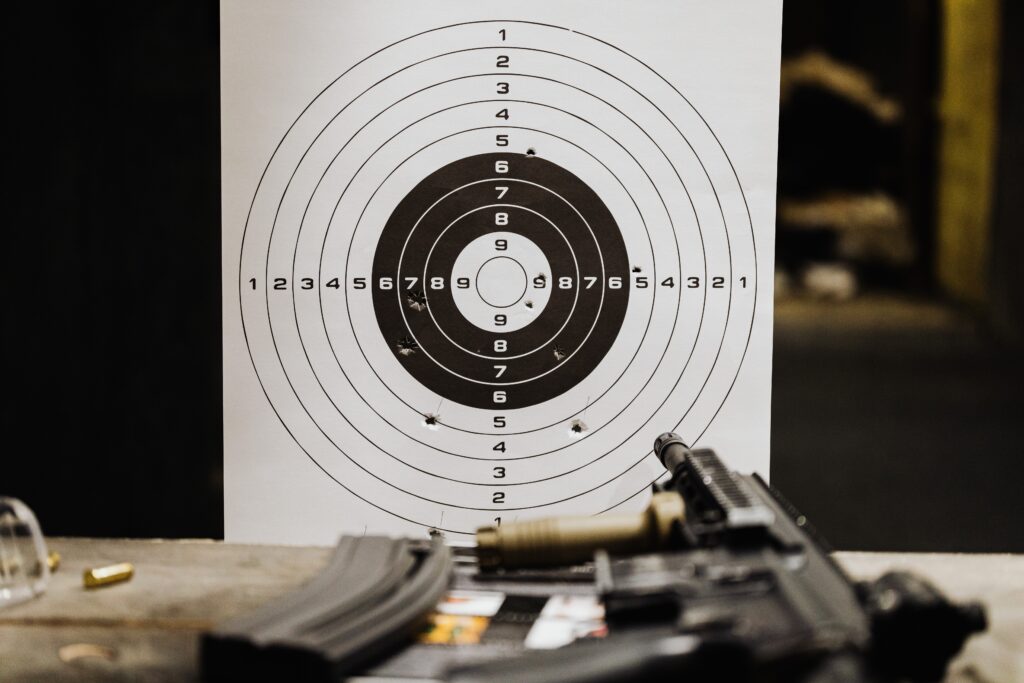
[{"x": 722, "y": 579}]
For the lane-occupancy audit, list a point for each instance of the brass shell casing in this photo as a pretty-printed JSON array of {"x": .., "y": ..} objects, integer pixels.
[
  {"x": 53, "y": 561},
  {"x": 104, "y": 576},
  {"x": 557, "y": 541}
]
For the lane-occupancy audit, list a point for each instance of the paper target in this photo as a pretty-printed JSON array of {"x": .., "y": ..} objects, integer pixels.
[{"x": 486, "y": 265}]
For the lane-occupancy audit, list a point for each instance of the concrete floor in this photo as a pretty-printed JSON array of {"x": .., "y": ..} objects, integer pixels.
[{"x": 898, "y": 425}]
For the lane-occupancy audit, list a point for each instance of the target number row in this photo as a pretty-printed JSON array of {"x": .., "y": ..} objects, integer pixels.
[{"x": 387, "y": 283}]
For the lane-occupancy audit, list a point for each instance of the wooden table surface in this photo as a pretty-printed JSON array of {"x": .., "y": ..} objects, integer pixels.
[{"x": 148, "y": 627}]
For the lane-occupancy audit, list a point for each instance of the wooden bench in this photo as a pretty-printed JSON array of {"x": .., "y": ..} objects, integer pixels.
[{"x": 145, "y": 630}]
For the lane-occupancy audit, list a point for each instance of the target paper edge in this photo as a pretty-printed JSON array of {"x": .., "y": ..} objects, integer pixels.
[{"x": 395, "y": 462}]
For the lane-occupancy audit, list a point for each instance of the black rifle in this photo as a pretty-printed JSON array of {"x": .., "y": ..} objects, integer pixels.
[{"x": 743, "y": 589}]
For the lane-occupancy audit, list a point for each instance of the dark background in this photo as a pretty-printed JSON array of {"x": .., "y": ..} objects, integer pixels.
[{"x": 896, "y": 411}]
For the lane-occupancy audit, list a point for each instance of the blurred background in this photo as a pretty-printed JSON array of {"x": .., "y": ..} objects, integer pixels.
[{"x": 898, "y": 399}]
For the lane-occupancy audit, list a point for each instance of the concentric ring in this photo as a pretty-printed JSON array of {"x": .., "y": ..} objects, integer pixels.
[{"x": 339, "y": 415}]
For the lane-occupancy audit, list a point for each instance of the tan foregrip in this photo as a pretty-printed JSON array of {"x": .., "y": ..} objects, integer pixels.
[{"x": 570, "y": 540}]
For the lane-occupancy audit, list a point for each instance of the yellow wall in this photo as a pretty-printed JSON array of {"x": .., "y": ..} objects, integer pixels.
[{"x": 968, "y": 137}]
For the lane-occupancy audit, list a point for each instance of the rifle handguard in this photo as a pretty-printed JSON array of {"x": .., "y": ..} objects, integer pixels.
[{"x": 560, "y": 541}]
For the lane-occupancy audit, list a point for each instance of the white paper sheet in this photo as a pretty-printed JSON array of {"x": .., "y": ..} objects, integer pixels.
[{"x": 478, "y": 255}]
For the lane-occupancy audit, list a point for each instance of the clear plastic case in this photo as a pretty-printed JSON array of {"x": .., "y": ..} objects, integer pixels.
[{"x": 24, "y": 572}]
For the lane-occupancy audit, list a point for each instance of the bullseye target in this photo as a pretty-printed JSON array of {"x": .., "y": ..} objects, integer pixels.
[
  {"x": 486, "y": 265},
  {"x": 526, "y": 331}
]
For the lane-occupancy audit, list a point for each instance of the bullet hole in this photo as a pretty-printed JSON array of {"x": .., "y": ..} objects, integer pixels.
[
  {"x": 406, "y": 346},
  {"x": 431, "y": 421},
  {"x": 416, "y": 300},
  {"x": 577, "y": 428},
  {"x": 529, "y": 304},
  {"x": 531, "y": 152},
  {"x": 636, "y": 269},
  {"x": 559, "y": 354},
  {"x": 540, "y": 281}
]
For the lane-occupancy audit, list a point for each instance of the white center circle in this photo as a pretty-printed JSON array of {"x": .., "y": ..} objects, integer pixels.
[{"x": 501, "y": 281}]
